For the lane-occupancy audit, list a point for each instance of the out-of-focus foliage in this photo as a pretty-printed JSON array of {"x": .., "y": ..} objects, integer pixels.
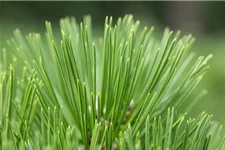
[
  {"x": 209, "y": 14},
  {"x": 214, "y": 81}
]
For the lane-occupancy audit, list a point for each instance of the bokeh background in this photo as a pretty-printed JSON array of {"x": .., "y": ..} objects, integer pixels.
[{"x": 205, "y": 20}]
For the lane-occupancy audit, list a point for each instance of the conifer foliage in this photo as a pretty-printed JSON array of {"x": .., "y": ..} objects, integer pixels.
[{"x": 119, "y": 91}]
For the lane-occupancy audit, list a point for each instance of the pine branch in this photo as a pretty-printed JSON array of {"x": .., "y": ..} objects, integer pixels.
[{"x": 120, "y": 91}]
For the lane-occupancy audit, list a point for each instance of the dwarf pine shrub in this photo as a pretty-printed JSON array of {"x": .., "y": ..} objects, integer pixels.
[{"x": 119, "y": 91}]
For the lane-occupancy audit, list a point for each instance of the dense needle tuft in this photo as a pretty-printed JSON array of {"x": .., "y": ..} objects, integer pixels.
[{"x": 120, "y": 91}]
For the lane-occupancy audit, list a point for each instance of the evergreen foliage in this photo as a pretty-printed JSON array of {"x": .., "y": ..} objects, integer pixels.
[{"x": 121, "y": 91}]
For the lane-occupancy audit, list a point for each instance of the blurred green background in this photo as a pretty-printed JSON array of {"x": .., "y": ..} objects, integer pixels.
[{"x": 205, "y": 20}]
